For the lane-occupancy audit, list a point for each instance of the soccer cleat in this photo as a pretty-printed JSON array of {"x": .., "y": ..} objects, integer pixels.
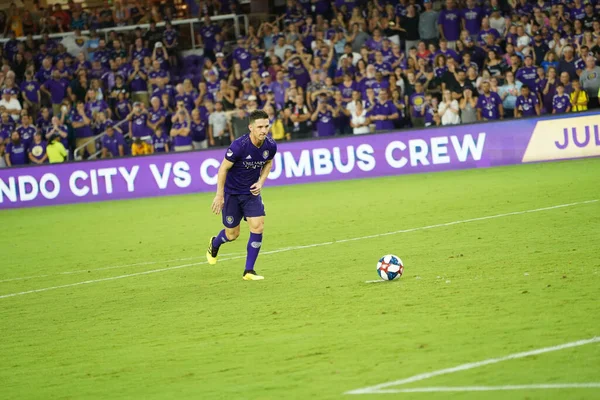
[
  {"x": 211, "y": 254},
  {"x": 251, "y": 276}
]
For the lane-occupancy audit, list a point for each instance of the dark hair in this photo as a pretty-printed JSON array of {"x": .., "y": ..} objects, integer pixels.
[{"x": 257, "y": 114}]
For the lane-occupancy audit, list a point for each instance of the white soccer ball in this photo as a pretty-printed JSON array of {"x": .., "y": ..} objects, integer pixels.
[{"x": 390, "y": 267}]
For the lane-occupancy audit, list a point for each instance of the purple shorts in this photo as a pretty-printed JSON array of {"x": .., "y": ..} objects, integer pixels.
[{"x": 238, "y": 206}]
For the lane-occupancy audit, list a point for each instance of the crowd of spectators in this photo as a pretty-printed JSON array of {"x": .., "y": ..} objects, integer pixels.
[{"x": 322, "y": 68}]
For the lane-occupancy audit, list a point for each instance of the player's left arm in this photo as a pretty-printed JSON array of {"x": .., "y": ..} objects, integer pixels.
[{"x": 255, "y": 189}]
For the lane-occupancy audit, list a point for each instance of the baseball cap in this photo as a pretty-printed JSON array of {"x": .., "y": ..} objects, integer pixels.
[
  {"x": 245, "y": 80},
  {"x": 158, "y": 44},
  {"x": 252, "y": 98},
  {"x": 220, "y": 55},
  {"x": 7, "y": 91},
  {"x": 265, "y": 74}
]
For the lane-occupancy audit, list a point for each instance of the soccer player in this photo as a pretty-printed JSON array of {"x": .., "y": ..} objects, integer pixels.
[{"x": 241, "y": 177}]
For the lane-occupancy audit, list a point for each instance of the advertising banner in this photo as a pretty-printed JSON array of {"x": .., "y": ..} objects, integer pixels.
[{"x": 346, "y": 157}]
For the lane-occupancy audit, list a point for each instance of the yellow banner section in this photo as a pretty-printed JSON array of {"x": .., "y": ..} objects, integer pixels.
[{"x": 564, "y": 138}]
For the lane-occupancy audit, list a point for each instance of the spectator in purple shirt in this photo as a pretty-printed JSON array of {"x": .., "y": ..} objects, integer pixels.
[
  {"x": 56, "y": 88},
  {"x": 16, "y": 152},
  {"x": 384, "y": 112},
  {"x": 471, "y": 18},
  {"x": 30, "y": 92},
  {"x": 527, "y": 104},
  {"x": 82, "y": 122},
  {"x": 561, "y": 102},
  {"x": 449, "y": 24},
  {"x": 37, "y": 150},
  {"x": 324, "y": 115},
  {"x": 489, "y": 104},
  {"x": 113, "y": 144}
]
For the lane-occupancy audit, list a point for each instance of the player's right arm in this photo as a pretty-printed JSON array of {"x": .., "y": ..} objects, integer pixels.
[{"x": 219, "y": 200}]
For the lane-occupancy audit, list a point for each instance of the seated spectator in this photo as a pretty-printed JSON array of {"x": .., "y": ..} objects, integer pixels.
[
  {"x": 16, "y": 152},
  {"x": 113, "y": 144},
  {"x": 140, "y": 147},
  {"x": 37, "y": 150}
]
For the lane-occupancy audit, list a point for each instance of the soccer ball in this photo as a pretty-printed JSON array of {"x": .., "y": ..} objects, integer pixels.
[{"x": 390, "y": 267}]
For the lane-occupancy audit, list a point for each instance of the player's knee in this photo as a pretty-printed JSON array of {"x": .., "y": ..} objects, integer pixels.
[
  {"x": 257, "y": 227},
  {"x": 232, "y": 234}
]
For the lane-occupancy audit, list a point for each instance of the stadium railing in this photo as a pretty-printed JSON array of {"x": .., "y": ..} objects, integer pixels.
[
  {"x": 190, "y": 21},
  {"x": 78, "y": 153}
]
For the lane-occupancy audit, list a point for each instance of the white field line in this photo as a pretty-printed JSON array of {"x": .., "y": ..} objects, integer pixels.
[
  {"x": 491, "y": 388},
  {"x": 285, "y": 249},
  {"x": 465, "y": 367},
  {"x": 22, "y": 278}
]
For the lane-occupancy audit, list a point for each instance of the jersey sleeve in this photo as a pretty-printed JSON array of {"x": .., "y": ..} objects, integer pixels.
[
  {"x": 274, "y": 150},
  {"x": 233, "y": 153}
]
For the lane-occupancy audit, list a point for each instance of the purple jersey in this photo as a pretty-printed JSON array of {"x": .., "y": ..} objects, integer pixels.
[
  {"x": 43, "y": 124},
  {"x": 387, "y": 109},
  {"x": 140, "y": 54},
  {"x": 527, "y": 76},
  {"x": 84, "y": 131},
  {"x": 122, "y": 109},
  {"x": 43, "y": 75},
  {"x": 37, "y": 150},
  {"x": 156, "y": 115},
  {"x": 450, "y": 21},
  {"x": 527, "y": 105},
  {"x": 208, "y": 33},
  {"x": 139, "y": 127},
  {"x": 170, "y": 37},
  {"x": 472, "y": 18},
  {"x": 560, "y": 103},
  {"x": 242, "y": 56},
  {"x": 347, "y": 90},
  {"x": 112, "y": 143},
  {"x": 325, "y": 125},
  {"x": 57, "y": 89},
  {"x": 489, "y": 105},
  {"x": 417, "y": 101},
  {"x": 26, "y": 133},
  {"x": 62, "y": 128},
  {"x": 160, "y": 143},
  {"x": 17, "y": 153},
  {"x": 375, "y": 45},
  {"x": 248, "y": 161},
  {"x": 31, "y": 89},
  {"x": 198, "y": 129},
  {"x": 96, "y": 106},
  {"x": 182, "y": 140}
]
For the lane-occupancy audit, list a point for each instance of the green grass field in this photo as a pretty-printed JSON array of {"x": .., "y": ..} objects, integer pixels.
[{"x": 127, "y": 308}]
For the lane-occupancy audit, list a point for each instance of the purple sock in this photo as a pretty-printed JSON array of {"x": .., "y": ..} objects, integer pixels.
[
  {"x": 219, "y": 239},
  {"x": 253, "y": 248}
]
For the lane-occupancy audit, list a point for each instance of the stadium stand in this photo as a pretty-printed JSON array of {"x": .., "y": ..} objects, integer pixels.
[{"x": 112, "y": 78}]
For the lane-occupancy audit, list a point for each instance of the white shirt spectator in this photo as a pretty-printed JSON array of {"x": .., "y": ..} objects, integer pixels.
[
  {"x": 218, "y": 121},
  {"x": 498, "y": 24},
  {"x": 448, "y": 117},
  {"x": 359, "y": 119},
  {"x": 11, "y": 105},
  {"x": 280, "y": 51},
  {"x": 355, "y": 58},
  {"x": 351, "y": 107}
]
